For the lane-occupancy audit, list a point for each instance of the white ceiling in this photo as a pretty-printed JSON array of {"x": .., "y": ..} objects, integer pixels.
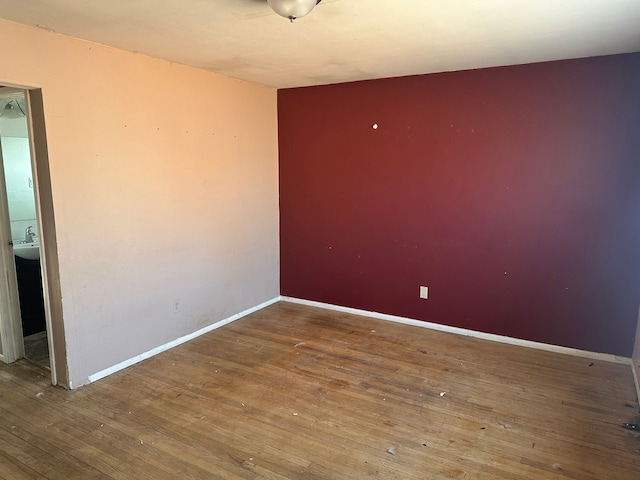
[{"x": 343, "y": 40}]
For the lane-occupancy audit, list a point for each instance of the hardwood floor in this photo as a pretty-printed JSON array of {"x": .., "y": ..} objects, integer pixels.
[
  {"x": 36, "y": 349},
  {"x": 298, "y": 392}
]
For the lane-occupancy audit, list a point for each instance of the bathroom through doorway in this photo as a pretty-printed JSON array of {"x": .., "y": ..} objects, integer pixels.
[{"x": 30, "y": 300}]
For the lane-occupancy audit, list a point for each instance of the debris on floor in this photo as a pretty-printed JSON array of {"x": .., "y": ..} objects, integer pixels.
[
  {"x": 633, "y": 424},
  {"x": 299, "y": 344},
  {"x": 392, "y": 450}
]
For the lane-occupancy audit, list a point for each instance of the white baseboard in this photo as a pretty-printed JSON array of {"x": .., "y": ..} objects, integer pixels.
[
  {"x": 469, "y": 333},
  {"x": 380, "y": 316},
  {"x": 175, "y": 343}
]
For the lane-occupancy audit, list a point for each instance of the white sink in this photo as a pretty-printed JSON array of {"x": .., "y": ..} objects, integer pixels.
[{"x": 28, "y": 251}]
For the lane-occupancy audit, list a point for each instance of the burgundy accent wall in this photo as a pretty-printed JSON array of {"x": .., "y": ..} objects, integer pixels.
[{"x": 513, "y": 193}]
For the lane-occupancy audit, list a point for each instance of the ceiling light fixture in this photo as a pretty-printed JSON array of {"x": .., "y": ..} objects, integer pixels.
[
  {"x": 12, "y": 109},
  {"x": 292, "y": 9}
]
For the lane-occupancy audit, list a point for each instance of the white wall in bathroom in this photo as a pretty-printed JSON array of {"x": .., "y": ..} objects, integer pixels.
[
  {"x": 17, "y": 167},
  {"x": 13, "y": 127},
  {"x": 16, "y": 160},
  {"x": 164, "y": 182}
]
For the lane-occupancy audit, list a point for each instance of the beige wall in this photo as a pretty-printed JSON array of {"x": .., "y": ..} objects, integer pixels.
[{"x": 164, "y": 183}]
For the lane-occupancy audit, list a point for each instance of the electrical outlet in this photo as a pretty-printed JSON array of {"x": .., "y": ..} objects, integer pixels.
[
  {"x": 424, "y": 292},
  {"x": 176, "y": 306}
]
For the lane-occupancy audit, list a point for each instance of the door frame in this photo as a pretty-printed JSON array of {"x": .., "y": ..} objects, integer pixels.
[
  {"x": 10, "y": 323},
  {"x": 11, "y": 330}
]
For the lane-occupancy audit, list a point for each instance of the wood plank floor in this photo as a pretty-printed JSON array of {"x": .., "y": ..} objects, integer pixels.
[{"x": 297, "y": 392}]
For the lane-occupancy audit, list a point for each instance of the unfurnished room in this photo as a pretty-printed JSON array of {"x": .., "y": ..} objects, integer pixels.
[{"x": 337, "y": 239}]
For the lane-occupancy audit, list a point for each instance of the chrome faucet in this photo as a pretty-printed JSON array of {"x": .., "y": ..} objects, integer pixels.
[{"x": 28, "y": 234}]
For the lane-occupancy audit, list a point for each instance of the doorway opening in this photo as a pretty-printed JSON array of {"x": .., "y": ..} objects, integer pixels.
[
  {"x": 31, "y": 324},
  {"x": 21, "y": 203}
]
